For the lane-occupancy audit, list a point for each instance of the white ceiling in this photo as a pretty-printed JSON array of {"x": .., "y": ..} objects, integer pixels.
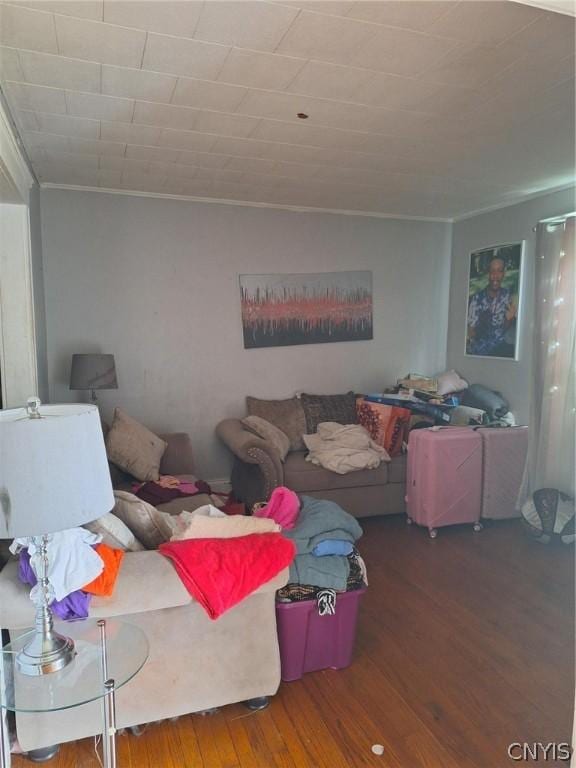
[{"x": 429, "y": 108}]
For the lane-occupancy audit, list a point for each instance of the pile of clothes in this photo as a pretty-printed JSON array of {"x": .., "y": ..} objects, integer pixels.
[
  {"x": 324, "y": 535},
  {"x": 79, "y": 566}
]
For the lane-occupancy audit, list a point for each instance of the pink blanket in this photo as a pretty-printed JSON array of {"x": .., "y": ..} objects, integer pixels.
[{"x": 221, "y": 572}]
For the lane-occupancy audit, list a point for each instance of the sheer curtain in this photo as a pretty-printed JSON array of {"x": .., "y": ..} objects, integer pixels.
[{"x": 551, "y": 455}]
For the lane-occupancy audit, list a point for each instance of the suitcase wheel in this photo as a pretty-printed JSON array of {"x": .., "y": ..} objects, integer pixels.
[
  {"x": 409, "y": 520},
  {"x": 478, "y": 527},
  {"x": 432, "y": 532}
]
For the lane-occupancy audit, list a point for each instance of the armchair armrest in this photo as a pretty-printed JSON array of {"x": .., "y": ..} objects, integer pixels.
[{"x": 249, "y": 449}]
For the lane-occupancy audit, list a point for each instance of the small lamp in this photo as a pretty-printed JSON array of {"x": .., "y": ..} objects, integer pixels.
[
  {"x": 54, "y": 475},
  {"x": 93, "y": 372}
]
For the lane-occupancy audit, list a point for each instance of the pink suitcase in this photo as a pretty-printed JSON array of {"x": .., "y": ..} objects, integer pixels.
[
  {"x": 444, "y": 477},
  {"x": 504, "y": 452}
]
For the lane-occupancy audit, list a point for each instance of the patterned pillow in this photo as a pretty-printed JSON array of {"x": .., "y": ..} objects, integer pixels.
[
  {"x": 319, "y": 408},
  {"x": 287, "y": 415}
]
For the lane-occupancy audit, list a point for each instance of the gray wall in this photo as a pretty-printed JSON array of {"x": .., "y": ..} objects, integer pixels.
[
  {"x": 38, "y": 292},
  {"x": 512, "y": 224},
  {"x": 155, "y": 282}
]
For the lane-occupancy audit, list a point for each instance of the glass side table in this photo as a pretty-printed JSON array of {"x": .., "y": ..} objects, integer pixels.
[{"x": 108, "y": 654}]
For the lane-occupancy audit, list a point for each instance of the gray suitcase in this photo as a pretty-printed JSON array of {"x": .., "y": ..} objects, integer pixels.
[{"x": 504, "y": 456}]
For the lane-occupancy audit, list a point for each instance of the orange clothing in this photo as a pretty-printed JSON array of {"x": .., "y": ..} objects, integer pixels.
[{"x": 103, "y": 585}]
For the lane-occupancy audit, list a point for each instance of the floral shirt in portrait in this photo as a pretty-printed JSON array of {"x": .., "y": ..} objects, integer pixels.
[{"x": 487, "y": 316}]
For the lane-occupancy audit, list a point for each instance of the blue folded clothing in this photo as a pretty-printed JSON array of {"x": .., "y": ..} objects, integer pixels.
[{"x": 333, "y": 547}]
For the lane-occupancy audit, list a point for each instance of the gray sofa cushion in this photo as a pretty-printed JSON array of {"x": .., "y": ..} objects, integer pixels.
[
  {"x": 302, "y": 476},
  {"x": 287, "y": 415},
  {"x": 397, "y": 469}
]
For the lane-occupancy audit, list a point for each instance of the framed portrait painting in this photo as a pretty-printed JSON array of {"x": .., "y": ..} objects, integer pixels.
[{"x": 494, "y": 293}]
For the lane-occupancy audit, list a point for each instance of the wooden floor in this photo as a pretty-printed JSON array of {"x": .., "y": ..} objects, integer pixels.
[{"x": 465, "y": 644}]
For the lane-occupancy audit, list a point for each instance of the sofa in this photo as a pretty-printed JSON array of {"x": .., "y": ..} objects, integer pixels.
[
  {"x": 194, "y": 663},
  {"x": 258, "y": 467}
]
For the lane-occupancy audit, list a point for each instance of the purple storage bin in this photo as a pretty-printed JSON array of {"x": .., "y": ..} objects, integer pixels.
[{"x": 309, "y": 642}]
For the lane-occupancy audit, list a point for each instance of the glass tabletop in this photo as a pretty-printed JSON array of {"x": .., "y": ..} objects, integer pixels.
[{"x": 83, "y": 679}]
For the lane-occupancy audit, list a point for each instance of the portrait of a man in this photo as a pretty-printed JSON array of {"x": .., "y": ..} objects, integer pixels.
[{"x": 493, "y": 301}]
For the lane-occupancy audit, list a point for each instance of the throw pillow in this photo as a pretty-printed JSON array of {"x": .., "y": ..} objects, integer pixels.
[
  {"x": 287, "y": 415},
  {"x": 134, "y": 448},
  {"x": 268, "y": 431},
  {"x": 146, "y": 522},
  {"x": 115, "y": 533},
  {"x": 450, "y": 381},
  {"x": 319, "y": 408}
]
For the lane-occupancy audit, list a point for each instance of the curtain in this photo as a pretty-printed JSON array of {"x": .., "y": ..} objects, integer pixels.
[{"x": 551, "y": 455}]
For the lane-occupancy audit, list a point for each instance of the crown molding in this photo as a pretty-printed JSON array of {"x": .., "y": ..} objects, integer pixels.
[
  {"x": 519, "y": 201},
  {"x": 246, "y": 203}
]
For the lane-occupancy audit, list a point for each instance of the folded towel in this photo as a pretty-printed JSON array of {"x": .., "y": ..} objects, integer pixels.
[{"x": 333, "y": 547}]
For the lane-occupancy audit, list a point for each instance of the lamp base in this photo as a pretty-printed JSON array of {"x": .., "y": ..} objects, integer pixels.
[{"x": 45, "y": 653}]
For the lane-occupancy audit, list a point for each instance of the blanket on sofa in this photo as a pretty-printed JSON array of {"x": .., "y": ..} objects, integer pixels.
[
  {"x": 219, "y": 573},
  {"x": 343, "y": 448}
]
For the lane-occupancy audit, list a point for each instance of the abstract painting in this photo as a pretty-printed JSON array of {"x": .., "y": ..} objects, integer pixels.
[{"x": 282, "y": 310}]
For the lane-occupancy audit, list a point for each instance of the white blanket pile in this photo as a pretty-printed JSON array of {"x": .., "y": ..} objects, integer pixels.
[{"x": 343, "y": 448}]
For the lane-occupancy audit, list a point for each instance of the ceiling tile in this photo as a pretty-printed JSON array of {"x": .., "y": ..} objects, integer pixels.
[
  {"x": 84, "y": 177},
  {"x": 295, "y": 170},
  {"x": 256, "y": 25},
  {"x": 189, "y": 140},
  {"x": 204, "y": 159},
  {"x": 394, "y": 92},
  {"x": 160, "y": 154},
  {"x": 85, "y": 9},
  {"x": 215, "y": 174},
  {"x": 165, "y": 115},
  {"x": 109, "y": 179},
  {"x": 469, "y": 66},
  {"x": 142, "y": 182},
  {"x": 137, "y": 84},
  {"x": 190, "y": 58},
  {"x": 39, "y": 141},
  {"x": 56, "y": 157},
  {"x": 114, "y": 163},
  {"x": 36, "y": 97},
  {"x": 259, "y": 70},
  {"x": 207, "y": 95},
  {"x": 68, "y": 126},
  {"x": 130, "y": 133},
  {"x": 326, "y": 38},
  {"x": 173, "y": 169},
  {"x": 93, "y": 40},
  {"x": 239, "y": 147},
  {"x": 10, "y": 65},
  {"x": 168, "y": 17},
  {"x": 417, "y": 15},
  {"x": 26, "y": 119},
  {"x": 226, "y": 125},
  {"x": 330, "y": 81},
  {"x": 401, "y": 51},
  {"x": 94, "y": 147},
  {"x": 484, "y": 22},
  {"x": 552, "y": 35},
  {"x": 25, "y": 28},
  {"x": 250, "y": 164},
  {"x": 58, "y": 71},
  {"x": 99, "y": 107}
]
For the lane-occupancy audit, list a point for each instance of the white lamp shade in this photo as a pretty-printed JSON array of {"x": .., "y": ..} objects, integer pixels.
[{"x": 54, "y": 472}]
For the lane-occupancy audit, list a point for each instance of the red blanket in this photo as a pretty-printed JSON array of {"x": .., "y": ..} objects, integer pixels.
[{"x": 221, "y": 572}]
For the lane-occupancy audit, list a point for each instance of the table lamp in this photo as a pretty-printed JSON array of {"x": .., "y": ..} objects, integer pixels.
[
  {"x": 54, "y": 475},
  {"x": 93, "y": 372}
]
